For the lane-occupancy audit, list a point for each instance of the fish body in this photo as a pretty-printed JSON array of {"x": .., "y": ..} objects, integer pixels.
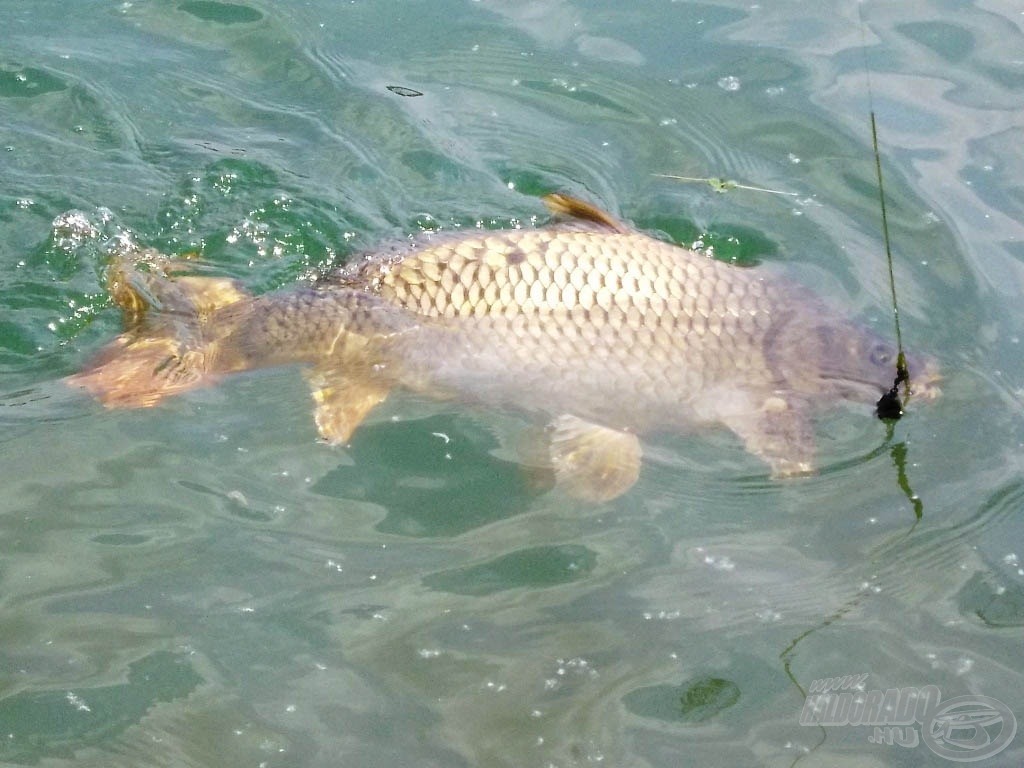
[{"x": 598, "y": 331}]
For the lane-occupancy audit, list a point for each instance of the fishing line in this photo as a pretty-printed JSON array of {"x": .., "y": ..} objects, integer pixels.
[
  {"x": 889, "y": 405},
  {"x": 889, "y": 408}
]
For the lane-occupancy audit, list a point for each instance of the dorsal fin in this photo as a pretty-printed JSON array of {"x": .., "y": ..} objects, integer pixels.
[{"x": 573, "y": 207}]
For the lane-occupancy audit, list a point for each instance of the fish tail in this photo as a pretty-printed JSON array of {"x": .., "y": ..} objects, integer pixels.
[{"x": 168, "y": 345}]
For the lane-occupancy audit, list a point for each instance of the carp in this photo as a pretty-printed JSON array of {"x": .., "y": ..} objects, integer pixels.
[{"x": 596, "y": 331}]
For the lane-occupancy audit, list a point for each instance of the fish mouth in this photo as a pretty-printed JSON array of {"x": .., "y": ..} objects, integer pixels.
[
  {"x": 922, "y": 384},
  {"x": 925, "y": 385}
]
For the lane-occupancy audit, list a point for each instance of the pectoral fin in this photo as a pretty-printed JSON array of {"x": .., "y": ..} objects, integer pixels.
[
  {"x": 587, "y": 461},
  {"x": 780, "y": 433},
  {"x": 341, "y": 404}
]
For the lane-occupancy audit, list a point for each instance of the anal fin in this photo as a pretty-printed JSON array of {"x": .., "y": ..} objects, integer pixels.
[
  {"x": 342, "y": 402},
  {"x": 588, "y": 461}
]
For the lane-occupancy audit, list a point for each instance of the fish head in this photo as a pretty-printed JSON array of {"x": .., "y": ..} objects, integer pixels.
[{"x": 847, "y": 360}]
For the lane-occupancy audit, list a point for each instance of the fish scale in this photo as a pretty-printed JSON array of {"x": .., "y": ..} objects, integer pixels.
[
  {"x": 559, "y": 272},
  {"x": 633, "y": 301}
]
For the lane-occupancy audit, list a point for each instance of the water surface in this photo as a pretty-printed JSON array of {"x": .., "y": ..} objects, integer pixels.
[{"x": 205, "y": 584}]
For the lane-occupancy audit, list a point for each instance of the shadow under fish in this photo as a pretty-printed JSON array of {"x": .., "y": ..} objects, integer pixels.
[{"x": 597, "y": 331}]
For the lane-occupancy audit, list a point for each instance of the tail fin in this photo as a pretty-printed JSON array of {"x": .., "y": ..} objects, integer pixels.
[{"x": 167, "y": 346}]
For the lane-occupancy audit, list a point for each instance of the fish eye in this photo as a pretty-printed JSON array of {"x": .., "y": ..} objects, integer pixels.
[{"x": 881, "y": 355}]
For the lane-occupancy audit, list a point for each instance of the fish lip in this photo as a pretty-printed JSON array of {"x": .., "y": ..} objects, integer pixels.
[
  {"x": 926, "y": 386},
  {"x": 924, "y": 383}
]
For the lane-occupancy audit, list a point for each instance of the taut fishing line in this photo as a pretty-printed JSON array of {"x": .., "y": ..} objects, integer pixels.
[{"x": 889, "y": 405}]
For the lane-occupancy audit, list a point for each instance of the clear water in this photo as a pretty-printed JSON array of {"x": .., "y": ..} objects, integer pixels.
[{"x": 205, "y": 584}]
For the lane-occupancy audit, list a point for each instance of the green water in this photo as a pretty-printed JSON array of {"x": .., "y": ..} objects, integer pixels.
[{"x": 205, "y": 584}]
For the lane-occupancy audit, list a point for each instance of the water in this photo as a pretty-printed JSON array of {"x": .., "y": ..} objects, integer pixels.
[{"x": 205, "y": 584}]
